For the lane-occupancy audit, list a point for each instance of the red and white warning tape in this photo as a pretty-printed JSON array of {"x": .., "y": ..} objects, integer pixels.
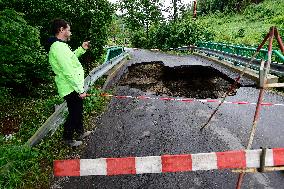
[
  {"x": 168, "y": 163},
  {"x": 190, "y": 100}
]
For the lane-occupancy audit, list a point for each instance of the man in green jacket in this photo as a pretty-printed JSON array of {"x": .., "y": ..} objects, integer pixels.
[{"x": 69, "y": 79}]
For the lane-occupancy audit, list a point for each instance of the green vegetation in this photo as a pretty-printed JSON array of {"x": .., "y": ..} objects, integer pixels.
[
  {"x": 27, "y": 90},
  {"x": 211, "y": 6},
  {"x": 24, "y": 167},
  {"x": 26, "y": 69},
  {"x": 118, "y": 33},
  {"x": 25, "y": 28},
  {"x": 247, "y": 27},
  {"x": 244, "y": 22}
]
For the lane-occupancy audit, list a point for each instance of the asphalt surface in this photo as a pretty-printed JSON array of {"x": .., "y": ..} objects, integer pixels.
[{"x": 152, "y": 128}]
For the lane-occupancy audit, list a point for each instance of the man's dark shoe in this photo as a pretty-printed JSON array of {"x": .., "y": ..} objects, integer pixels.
[
  {"x": 73, "y": 143},
  {"x": 84, "y": 135}
]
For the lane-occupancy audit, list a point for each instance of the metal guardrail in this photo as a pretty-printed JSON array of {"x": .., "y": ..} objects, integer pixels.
[
  {"x": 243, "y": 51},
  {"x": 238, "y": 56},
  {"x": 58, "y": 117},
  {"x": 112, "y": 52}
]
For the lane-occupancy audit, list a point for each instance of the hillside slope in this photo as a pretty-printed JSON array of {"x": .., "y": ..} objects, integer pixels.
[{"x": 248, "y": 27}]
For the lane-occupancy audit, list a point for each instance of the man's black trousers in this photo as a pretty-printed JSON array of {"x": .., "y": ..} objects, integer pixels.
[{"x": 74, "y": 121}]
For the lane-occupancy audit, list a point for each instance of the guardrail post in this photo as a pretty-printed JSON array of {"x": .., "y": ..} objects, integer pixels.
[{"x": 261, "y": 74}]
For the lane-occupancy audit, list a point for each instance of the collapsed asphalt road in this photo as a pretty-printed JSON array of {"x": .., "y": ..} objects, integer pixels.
[
  {"x": 151, "y": 128},
  {"x": 187, "y": 81}
]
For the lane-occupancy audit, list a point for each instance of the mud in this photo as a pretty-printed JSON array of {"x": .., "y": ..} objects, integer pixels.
[
  {"x": 9, "y": 125},
  {"x": 190, "y": 81}
]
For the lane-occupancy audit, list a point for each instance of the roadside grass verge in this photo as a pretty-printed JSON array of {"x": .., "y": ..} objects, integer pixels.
[{"x": 24, "y": 167}]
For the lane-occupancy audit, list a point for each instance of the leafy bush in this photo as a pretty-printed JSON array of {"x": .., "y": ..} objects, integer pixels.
[
  {"x": 89, "y": 19},
  {"x": 138, "y": 39},
  {"x": 190, "y": 32},
  {"x": 172, "y": 35},
  {"x": 160, "y": 36},
  {"x": 25, "y": 28},
  {"x": 23, "y": 61},
  {"x": 241, "y": 33}
]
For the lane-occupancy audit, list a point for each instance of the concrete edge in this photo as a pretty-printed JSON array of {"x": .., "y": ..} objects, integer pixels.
[
  {"x": 113, "y": 72},
  {"x": 249, "y": 73}
]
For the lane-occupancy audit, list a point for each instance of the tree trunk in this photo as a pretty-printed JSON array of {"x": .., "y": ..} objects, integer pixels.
[
  {"x": 175, "y": 16},
  {"x": 147, "y": 29}
]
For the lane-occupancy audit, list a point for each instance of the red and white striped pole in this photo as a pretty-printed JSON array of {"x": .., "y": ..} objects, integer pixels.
[
  {"x": 233, "y": 86},
  {"x": 168, "y": 163},
  {"x": 260, "y": 98}
]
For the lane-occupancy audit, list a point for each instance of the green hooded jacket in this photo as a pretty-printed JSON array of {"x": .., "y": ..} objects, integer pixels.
[{"x": 65, "y": 64}]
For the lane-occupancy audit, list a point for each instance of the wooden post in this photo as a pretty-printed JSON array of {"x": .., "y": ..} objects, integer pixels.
[
  {"x": 194, "y": 8},
  {"x": 274, "y": 85},
  {"x": 279, "y": 40},
  {"x": 255, "y": 170}
]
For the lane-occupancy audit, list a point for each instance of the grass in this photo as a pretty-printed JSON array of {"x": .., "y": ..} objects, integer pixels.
[
  {"x": 24, "y": 167},
  {"x": 249, "y": 27}
]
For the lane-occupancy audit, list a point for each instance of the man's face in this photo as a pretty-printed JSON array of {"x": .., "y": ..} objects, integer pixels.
[{"x": 66, "y": 33}]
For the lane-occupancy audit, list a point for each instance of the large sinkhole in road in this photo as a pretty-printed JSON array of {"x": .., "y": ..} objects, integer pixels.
[{"x": 181, "y": 81}]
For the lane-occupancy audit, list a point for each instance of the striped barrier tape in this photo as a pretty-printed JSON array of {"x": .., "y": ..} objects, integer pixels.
[
  {"x": 168, "y": 163},
  {"x": 190, "y": 100}
]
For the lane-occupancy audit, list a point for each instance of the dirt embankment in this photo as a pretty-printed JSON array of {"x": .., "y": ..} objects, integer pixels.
[{"x": 183, "y": 81}]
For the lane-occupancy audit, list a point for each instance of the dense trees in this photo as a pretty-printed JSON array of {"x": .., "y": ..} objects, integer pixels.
[
  {"x": 23, "y": 60},
  {"x": 29, "y": 20},
  {"x": 141, "y": 14},
  {"x": 177, "y": 9},
  {"x": 149, "y": 29},
  {"x": 178, "y": 33},
  {"x": 216, "y": 20}
]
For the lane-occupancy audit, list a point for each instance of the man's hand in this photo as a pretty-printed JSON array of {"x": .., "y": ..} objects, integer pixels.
[
  {"x": 86, "y": 45},
  {"x": 83, "y": 95}
]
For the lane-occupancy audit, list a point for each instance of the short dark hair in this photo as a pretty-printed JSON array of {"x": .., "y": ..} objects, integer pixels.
[{"x": 56, "y": 24}]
